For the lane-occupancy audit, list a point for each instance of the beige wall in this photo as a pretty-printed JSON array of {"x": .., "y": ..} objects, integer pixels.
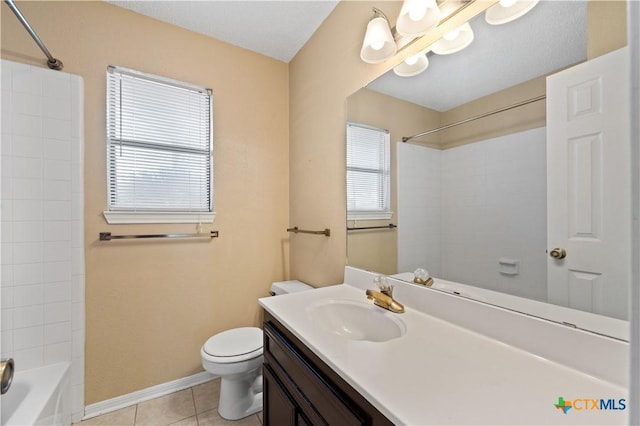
[
  {"x": 520, "y": 119},
  {"x": 377, "y": 250},
  {"x": 150, "y": 305},
  {"x": 607, "y": 23}
]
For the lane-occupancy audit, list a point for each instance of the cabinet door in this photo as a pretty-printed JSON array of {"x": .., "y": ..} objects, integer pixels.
[
  {"x": 316, "y": 395},
  {"x": 278, "y": 407},
  {"x": 302, "y": 420}
]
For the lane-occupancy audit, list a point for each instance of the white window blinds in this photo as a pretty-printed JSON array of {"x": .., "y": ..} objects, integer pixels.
[
  {"x": 159, "y": 144},
  {"x": 368, "y": 167}
]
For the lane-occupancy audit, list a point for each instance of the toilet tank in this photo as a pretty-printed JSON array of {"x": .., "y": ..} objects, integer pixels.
[{"x": 285, "y": 287}]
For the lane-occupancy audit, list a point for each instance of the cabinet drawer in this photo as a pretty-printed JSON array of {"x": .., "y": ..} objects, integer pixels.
[{"x": 326, "y": 399}]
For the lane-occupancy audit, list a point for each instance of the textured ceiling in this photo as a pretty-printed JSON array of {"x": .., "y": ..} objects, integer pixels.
[
  {"x": 277, "y": 29},
  {"x": 552, "y": 36}
]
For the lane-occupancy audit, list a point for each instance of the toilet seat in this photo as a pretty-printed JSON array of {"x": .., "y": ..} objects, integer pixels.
[{"x": 235, "y": 345}]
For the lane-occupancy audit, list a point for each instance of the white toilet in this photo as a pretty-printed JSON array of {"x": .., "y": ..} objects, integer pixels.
[{"x": 236, "y": 357}]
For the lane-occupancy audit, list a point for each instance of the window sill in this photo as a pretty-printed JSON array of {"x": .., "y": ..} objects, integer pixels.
[
  {"x": 116, "y": 217},
  {"x": 369, "y": 216}
]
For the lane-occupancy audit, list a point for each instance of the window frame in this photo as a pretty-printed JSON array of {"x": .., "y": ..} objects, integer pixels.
[
  {"x": 133, "y": 216},
  {"x": 385, "y": 173}
]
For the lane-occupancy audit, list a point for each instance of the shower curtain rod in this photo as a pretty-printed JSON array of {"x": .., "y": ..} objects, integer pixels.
[
  {"x": 53, "y": 63},
  {"x": 467, "y": 120}
]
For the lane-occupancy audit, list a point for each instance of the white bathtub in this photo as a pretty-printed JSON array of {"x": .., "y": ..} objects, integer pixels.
[{"x": 40, "y": 396}]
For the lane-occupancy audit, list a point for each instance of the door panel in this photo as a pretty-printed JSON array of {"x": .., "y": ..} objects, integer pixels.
[{"x": 588, "y": 185}]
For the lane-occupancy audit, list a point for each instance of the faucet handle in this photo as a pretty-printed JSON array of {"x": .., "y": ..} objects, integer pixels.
[
  {"x": 388, "y": 290},
  {"x": 421, "y": 276},
  {"x": 383, "y": 285}
]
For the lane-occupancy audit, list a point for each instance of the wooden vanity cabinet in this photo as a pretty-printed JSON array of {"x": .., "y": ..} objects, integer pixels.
[{"x": 300, "y": 389}]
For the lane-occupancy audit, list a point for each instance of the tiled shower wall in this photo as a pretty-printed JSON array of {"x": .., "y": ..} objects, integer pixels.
[
  {"x": 42, "y": 221},
  {"x": 474, "y": 205}
]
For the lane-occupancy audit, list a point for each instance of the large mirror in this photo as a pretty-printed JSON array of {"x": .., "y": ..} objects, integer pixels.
[{"x": 470, "y": 201}]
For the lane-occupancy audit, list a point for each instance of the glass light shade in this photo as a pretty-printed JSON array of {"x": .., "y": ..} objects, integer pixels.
[
  {"x": 417, "y": 17},
  {"x": 450, "y": 44},
  {"x": 378, "y": 43},
  {"x": 413, "y": 65},
  {"x": 452, "y": 35},
  {"x": 499, "y": 14}
]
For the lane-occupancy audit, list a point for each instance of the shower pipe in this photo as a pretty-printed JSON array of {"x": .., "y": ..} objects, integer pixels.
[
  {"x": 53, "y": 63},
  {"x": 467, "y": 120}
]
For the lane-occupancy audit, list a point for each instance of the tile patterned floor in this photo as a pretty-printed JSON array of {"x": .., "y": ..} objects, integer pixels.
[{"x": 196, "y": 406}]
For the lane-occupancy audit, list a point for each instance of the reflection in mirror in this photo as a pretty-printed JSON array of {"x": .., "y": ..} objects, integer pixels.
[{"x": 470, "y": 201}]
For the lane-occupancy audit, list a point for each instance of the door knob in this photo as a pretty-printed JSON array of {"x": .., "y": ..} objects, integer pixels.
[{"x": 558, "y": 253}]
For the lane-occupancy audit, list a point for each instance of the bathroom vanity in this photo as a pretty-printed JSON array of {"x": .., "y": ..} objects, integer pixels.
[
  {"x": 332, "y": 357},
  {"x": 300, "y": 389}
]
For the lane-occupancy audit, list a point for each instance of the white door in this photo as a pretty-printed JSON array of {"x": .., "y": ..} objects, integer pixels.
[{"x": 588, "y": 185}]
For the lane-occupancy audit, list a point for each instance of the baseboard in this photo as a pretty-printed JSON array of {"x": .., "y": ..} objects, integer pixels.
[{"x": 142, "y": 395}]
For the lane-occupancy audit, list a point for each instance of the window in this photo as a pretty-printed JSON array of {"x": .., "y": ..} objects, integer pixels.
[
  {"x": 367, "y": 172},
  {"x": 159, "y": 149}
]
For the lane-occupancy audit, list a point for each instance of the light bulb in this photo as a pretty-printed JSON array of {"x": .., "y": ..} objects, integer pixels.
[
  {"x": 452, "y": 35},
  {"x": 412, "y": 60},
  {"x": 417, "y": 17},
  {"x": 377, "y": 45},
  {"x": 508, "y": 10},
  {"x": 417, "y": 12}
]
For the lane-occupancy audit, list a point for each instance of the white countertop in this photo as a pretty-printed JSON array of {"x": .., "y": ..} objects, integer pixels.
[{"x": 441, "y": 373}]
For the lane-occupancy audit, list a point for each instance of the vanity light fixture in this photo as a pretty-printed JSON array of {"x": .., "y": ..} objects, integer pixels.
[
  {"x": 417, "y": 17},
  {"x": 379, "y": 44},
  {"x": 454, "y": 41},
  {"x": 413, "y": 65},
  {"x": 508, "y": 10}
]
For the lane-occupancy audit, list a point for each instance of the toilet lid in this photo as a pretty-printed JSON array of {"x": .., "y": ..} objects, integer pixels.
[{"x": 234, "y": 342}]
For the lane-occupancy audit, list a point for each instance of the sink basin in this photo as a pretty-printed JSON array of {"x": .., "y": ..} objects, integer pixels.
[{"x": 356, "y": 320}]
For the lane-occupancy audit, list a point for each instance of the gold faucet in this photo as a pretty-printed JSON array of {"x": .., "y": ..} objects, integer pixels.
[
  {"x": 428, "y": 282},
  {"x": 385, "y": 301},
  {"x": 421, "y": 276}
]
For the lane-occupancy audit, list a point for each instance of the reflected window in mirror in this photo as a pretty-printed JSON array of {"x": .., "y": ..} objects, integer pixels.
[{"x": 368, "y": 172}]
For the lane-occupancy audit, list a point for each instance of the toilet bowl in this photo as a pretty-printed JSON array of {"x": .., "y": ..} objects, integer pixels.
[{"x": 236, "y": 357}]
